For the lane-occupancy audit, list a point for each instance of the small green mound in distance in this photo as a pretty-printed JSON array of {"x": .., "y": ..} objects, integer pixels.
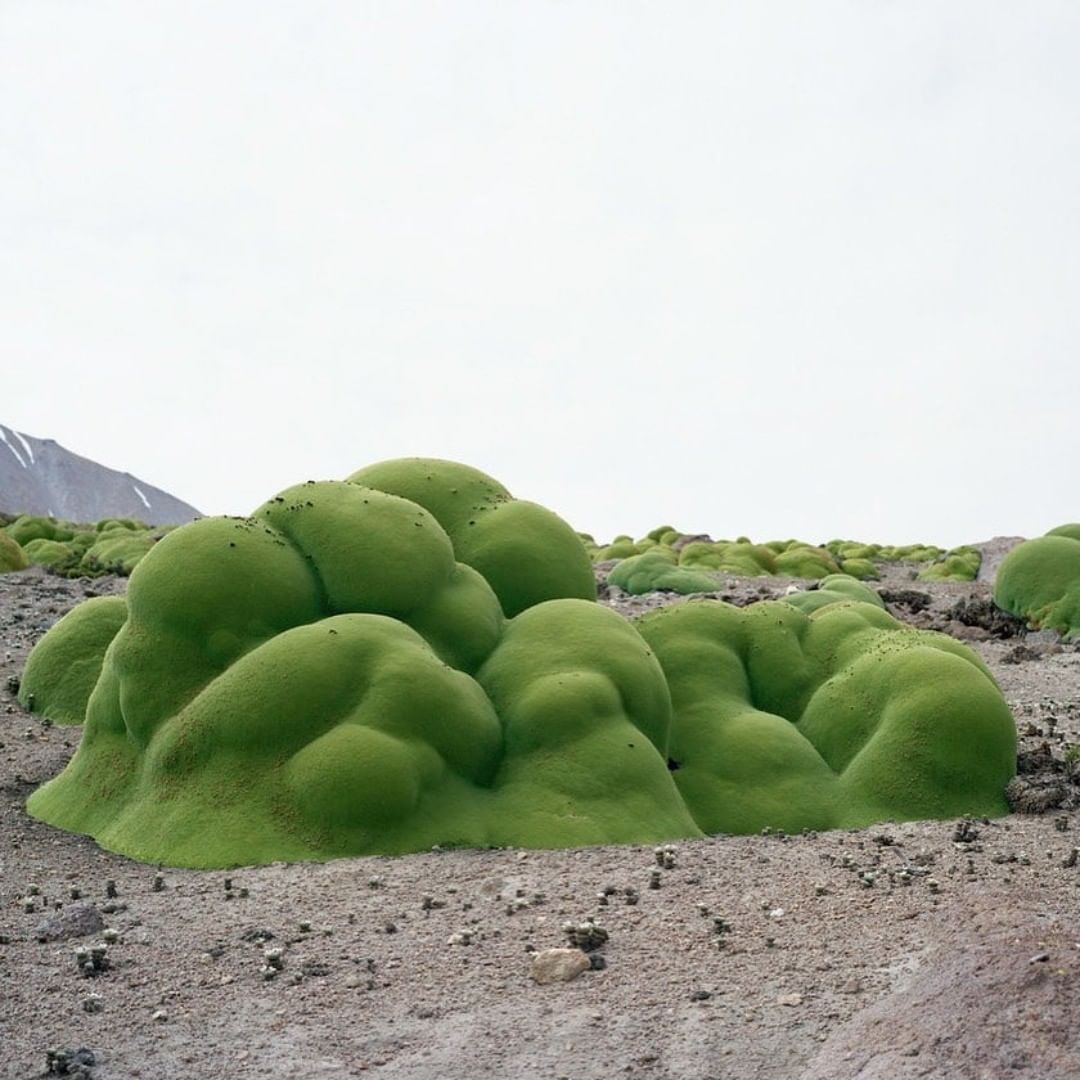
[
  {"x": 863, "y": 569},
  {"x": 960, "y": 564},
  {"x": 835, "y": 589},
  {"x": 12, "y": 556},
  {"x": 110, "y": 546},
  {"x": 1039, "y": 580},
  {"x": 658, "y": 571}
]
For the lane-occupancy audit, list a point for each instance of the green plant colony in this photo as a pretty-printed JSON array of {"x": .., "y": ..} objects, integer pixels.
[{"x": 412, "y": 657}]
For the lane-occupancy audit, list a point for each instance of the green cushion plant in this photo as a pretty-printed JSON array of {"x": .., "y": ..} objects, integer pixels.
[
  {"x": 1039, "y": 580},
  {"x": 412, "y": 658}
]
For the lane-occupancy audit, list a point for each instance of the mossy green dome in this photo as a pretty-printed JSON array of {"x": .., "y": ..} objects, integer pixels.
[
  {"x": 1039, "y": 580},
  {"x": 835, "y": 589},
  {"x": 331, "y": 677},
  {"x": 12, "y": 556},
  {"x": 836, "y": 719},
  {"x": 658, "y": 570},
  {"x": 42, "y": 552},
  {"x": 860, "y": 568},
  {"x": 1071, "y": 530},
  {"x": 58, "y": 680},
  {"x": 34, "y": 527},
  {"x": 960, "y": 564}
]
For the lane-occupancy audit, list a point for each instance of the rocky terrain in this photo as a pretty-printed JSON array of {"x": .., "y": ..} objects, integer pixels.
[{"x": 922, "y": 949}]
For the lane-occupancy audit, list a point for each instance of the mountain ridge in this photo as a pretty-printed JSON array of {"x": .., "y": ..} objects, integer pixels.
[{"x": 39, "y": 476}]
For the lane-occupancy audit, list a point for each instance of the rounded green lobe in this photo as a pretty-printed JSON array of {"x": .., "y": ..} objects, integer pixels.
[
  {"x": 526, "y": 553},
  {"x": 657, "y": 570},
  {"x": 1039, "y": 580},
  {"x": 57, "y": 681},
  {"x": 835, "y": 589},
  {"x": 370, "y": 551},
  {"x": 12, "y": 556}
]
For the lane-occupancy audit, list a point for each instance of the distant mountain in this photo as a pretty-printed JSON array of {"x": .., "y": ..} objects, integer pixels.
[{"x": 38, "y": 476}]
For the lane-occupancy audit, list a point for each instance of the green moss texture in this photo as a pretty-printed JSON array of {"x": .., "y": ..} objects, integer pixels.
[
  {"x": 743, "y": 558},
  {"x": 838, "y": 718},
  {"x": 526, "y": 553},
  {"x": 12, "y": 556},
  {"x": 959, "y": 564},
  {"x": 835, "y": 589},
  {"x": 111, "y": 546},
  {"x": 1039, "y": 580},
  {"x": 57, "y": 681},
  {"x": 412, "y": 658},
  {"x": 658, "y": 571}
]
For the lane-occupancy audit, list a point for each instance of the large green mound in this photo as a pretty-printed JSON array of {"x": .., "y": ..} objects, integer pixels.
[
  {"x": 399, "y": 660},
  {"x": 838, "y": 718},
  {"x": 1039, "y": 580}
]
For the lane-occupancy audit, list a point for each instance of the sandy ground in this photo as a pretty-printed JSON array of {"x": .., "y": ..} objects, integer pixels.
[{"x": 927, "y": 949}]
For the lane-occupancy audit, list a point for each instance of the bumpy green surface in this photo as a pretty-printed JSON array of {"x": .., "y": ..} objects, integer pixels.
[
  {"x": 58, "y": 680},
  {"x": 12, "y": 556},
  {"x": 527, "y": 553},
  {"x": 803, "y": 561},
  {"x": 835, "y": 589},
  {"x": 836, "y": 719},
  {"x": 51, "y": 553},
  {"x": 658, "y": 570},
  {"x": 1039, "y": 580},
  {"x": 113, "y": 545},
  {"x": 31, "y": 527},
  {"x": 119, "y": 549},
  {"x": 960, "y": 564},
  {"x": 862, "y": 569},
  {"x": 1071, "y": 530},
  {"x": 332, "y": 677}
]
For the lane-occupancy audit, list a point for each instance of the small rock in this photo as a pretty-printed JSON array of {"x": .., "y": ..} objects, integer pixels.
[
  {"x": 78, "y": 920},
  {"x": 558, "y": 965},
  {"x": 790, "y": 1000},
  {"x": 160, "y": 1016},
  {"x": 1039, "y": 958}
]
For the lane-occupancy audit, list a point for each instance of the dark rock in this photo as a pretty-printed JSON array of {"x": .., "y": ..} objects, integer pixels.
[
  {"x": 1035, "y": 795},
  {"x": 910, "y": 599},
  {"x": 984, "y": 613},
  {"x": 74, "y": 921}
]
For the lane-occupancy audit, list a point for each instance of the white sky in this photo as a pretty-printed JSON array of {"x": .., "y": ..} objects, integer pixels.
[{"x": 782, "y": 269}]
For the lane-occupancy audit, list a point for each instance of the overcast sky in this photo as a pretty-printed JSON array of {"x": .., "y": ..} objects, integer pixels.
[{"x": 784, "y": 269}]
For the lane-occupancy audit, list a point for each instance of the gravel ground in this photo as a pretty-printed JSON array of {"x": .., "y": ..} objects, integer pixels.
[{"x": 929, "y": 949}]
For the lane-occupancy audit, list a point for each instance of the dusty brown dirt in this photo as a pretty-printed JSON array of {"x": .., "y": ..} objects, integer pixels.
[{"x": 924, "y": 949}]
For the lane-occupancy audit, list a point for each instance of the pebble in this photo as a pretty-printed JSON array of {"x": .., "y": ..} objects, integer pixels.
[{"x": 558, "y": 965}]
